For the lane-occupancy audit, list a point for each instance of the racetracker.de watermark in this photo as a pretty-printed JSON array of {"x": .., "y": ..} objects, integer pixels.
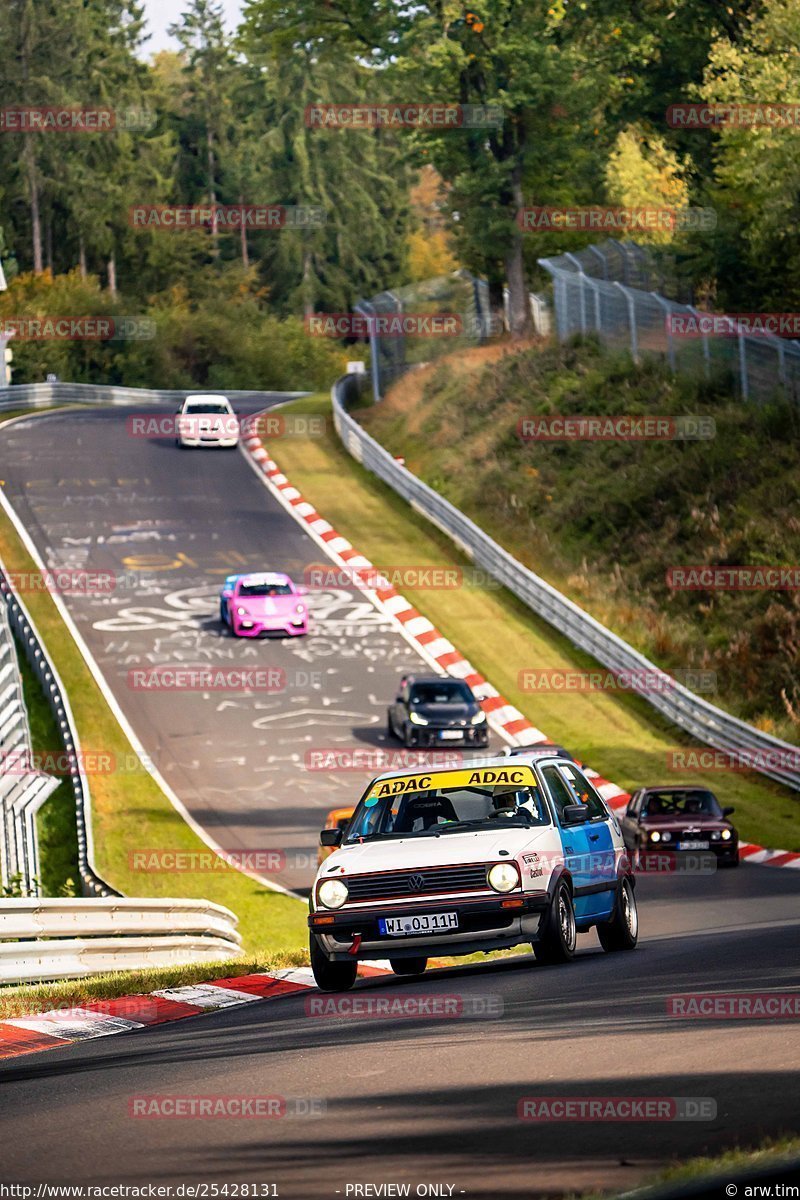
[
  {"x": 223, "y": 217},
  {"x": 625, "y": 427},
  {"x": 202, "y": 677},
  {"x": 377, "y": 761},
  {"x": 77, "y": 329},
  {"x": 403, "y": 1006},
  {"x": 65, "y": 581},
  {"x": 260, "y": 861},
  {"x": 617, "y": 1108},
  {"x": 553, "y": 679},
  {"x": 419, "y": 576},
  {"x": 734, "y": 579},
  {"x": 539, "y": 219},
  {"x": 390, "y": 325},
  {"x": 745, "y": 116},
  {"x": 736, "y": 1006},
  {"x": 53, "y": 118},
  {"x": 733, "y": 325},
  {"x": 404, "y": 115},
  {"x": 733, "y": 760},
  {"x": 224, "y": 1107}
]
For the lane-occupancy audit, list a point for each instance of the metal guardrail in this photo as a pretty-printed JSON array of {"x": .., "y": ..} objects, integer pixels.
[
  {"x": 45, "y": 395},
  {"x": 88, "y": 936},
  {"x": 22, "y": 791},
  {"x": 92, "y": 884},
  {"x": 770, "y": 756}
]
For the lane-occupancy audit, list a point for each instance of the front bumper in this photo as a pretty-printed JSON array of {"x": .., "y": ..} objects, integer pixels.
[
  {"x": 221, "y": 443},
  {"x": 431, "y": 735},
  {"x": 483, "y": 925},
  {"x": 265, "y": 628}
]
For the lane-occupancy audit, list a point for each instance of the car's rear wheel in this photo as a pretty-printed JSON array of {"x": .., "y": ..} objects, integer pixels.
[
  {"x": 559, "y": 934},
  {"x": 622, "y": 931},
  {"x": 331, "y": 976},
  {"x": 408, "y": 966}
]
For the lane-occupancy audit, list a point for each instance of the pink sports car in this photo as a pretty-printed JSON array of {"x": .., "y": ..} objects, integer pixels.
[{"x": 254, "y": 605}]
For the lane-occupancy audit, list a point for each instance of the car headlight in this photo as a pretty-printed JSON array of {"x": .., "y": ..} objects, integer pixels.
[
  {"x": 503, "y": 877},
  {"x": 479, "y": 718},
  {"x": 301, "y": 608},
  {"x": 655, "y": 836},
  {"x": 666, "y": 837},
  {"x": 332, "y": 893},
  {"x": 242, "y": 612},
  {"x": 726, "y": 835},
  {"x": 416, "y": 719}
]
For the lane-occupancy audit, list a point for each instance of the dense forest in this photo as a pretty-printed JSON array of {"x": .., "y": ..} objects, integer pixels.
[{"x": 583, "y": 91}]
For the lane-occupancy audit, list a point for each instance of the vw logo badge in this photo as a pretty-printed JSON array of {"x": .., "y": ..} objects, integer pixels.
[{"x": 416, "y": 883}]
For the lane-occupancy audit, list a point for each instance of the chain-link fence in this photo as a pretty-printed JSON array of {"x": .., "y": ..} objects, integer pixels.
[
  {"x": 615, "y": 291},
  {"x": 401, "y": 336}
]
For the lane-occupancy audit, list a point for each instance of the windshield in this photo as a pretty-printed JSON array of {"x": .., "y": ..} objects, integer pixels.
[
  {"x": 447, "y": 692},
  {"x": 681, "y": 804},
  {"x": 208, "y": 407},
  {"x": 265, "y": 589},
  {"x": 432, "y": 811}
]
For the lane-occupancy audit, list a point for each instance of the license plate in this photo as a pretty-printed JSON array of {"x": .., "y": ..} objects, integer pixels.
[
  {"x": 692, "y": 846},
  {"x": 419, "y": 924},
  {"x": 451, "y": 735}
]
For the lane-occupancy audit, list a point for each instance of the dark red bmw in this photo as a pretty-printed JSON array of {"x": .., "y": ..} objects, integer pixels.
[{"x": 680, "y": 819}]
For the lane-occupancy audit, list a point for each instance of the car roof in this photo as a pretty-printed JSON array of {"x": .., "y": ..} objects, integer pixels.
[
  {"x": 540, "y": 752},
  {"x": 206, "y": 396},
  {"x": 676, "y": 787},
  {"x": 263, "y": 577},
  {"x": 410, "y": 678}
]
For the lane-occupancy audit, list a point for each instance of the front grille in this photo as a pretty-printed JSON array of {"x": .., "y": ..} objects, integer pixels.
[{"x": 397, "y": 885}]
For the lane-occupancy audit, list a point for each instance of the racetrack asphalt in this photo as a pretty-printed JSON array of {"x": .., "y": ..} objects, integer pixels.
[
  {"x": 434, "y": 1099},
  {"x": 174, "y": 523}
]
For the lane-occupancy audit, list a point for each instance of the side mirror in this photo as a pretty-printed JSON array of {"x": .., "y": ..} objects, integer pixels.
[
  {"x": 726, "y": 812},
  {"x": 331, "y": 837},
  {"x": 575, "y": 814},
  {"x": 398, "y": 699}
]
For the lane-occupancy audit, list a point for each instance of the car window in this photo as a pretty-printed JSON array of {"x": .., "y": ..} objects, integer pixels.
[
  {"x": 583, "y": 792},
  {"x": 265, "y": 589},
  {"x": 207, "y": 407},
  {"x": 446, "y": 692},
  {"x": 695, "y": 802},
  {"x": 559, "y": 792},
  {"x": 449, "y": 809}
]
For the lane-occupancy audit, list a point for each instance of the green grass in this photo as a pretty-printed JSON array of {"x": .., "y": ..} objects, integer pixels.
[
  {"x": 56, "y": 823},
  {"x": 618, "y": 735},
  {"x": 602, "y": 521},
  {"x": 41, "y": 997},
  {"x": 775, "y": 1152},
  {"x": 130, "y": 810}
]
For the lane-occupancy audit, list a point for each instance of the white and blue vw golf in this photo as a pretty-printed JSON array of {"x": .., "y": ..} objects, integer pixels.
[{"x": 449, "y": 862}]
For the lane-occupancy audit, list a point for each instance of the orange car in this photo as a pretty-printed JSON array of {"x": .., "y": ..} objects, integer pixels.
[{"x": 337, "y": 818}]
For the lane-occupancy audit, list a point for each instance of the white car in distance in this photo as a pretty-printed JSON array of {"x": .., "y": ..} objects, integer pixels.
[{"x": 207, "y": 421}]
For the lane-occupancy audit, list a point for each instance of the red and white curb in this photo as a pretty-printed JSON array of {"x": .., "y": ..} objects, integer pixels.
[
  {"x": 435, "y": 648},
  {"x": 99, "y": 1018}
]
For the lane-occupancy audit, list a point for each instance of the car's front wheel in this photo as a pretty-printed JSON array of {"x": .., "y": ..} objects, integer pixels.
[
  {"x": 408, "y": 966},
  {"x": 559, "y": 934},
  {"x": 622, "y": 931},
  {"x": 390, "y": 733},
  {"x": 331, "y": 976},
  {"x": 409, "y": 739}
]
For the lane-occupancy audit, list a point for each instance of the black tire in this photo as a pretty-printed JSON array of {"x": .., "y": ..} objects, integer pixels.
[
  {"x": 331, "y": 976},
  {"x": 408, "y": 966},
  {"x": 226, "y": 629},
  {"x": 390, "y": 733},
  {"x": 558, "y": 936},
  {"x": 408, "y": 739},
  {"x": 622, "y": 931}
]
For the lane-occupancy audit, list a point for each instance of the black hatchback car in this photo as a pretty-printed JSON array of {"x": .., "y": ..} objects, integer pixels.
[{"x": 432, "y": 711}]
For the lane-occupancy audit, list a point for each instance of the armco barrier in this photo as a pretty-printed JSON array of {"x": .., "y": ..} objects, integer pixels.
[
  {"x": 45, "y": 395},
  {"x": 87, "y": 936},
  {"x": 704, "y": 721},
  {"x": 19, "y": 617},
  {"x": 22, "y": 793}
]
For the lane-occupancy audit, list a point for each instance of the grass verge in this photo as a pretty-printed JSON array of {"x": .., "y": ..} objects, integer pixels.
[
  {"x": 71, "y": 993},
  {"x": 770, "y": 1155},
  {"x": 56, "y": 823},
  {"x": 129, "y": 809},
  {"x": 619, "y": 735}
]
